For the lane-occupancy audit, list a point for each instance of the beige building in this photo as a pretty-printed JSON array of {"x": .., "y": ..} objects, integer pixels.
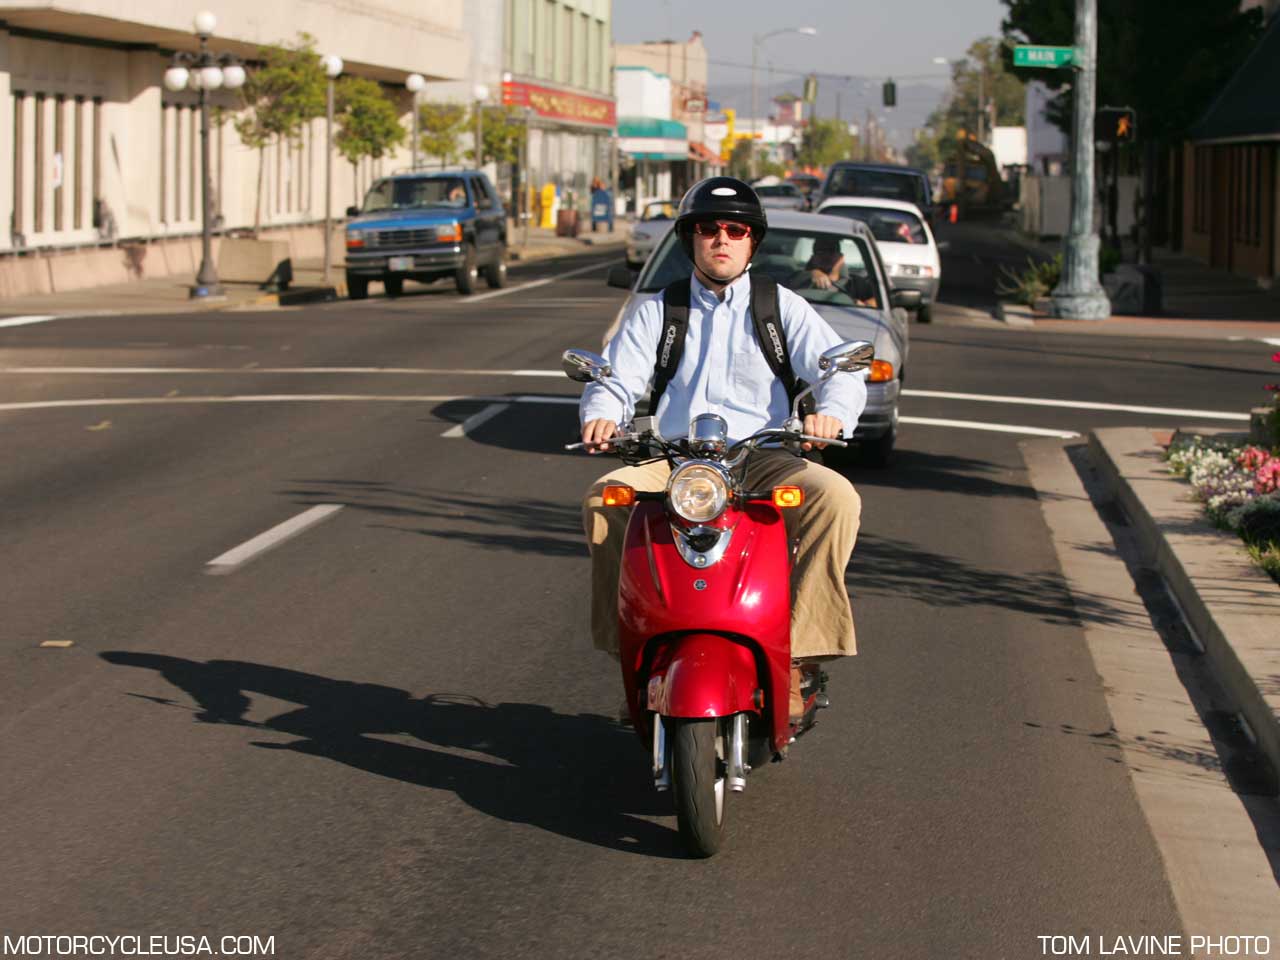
[
  {"x": 96, "y": 149},
  {"x": 685, "y": 63}
]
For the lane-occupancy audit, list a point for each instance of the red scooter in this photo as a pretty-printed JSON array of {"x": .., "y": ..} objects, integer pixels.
[{"x": 704, "y": 605}]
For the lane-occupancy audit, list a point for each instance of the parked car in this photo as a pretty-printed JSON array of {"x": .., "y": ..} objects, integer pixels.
[
  {"x": 860, "y": 306},
  {"x": 906, "y": 243},
  {"x": 809, "y": 185},
  {"x": 884, "y": 181},
  {"x": 424, "y": 226},
  {"x": 655, "y": 220},
  {"x": 781, "y": 196}
]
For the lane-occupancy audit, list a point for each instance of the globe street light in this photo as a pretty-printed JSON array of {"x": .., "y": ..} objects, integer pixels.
[
  {"x": 413, "y": 83},
  {"x": 755, "y": 106},
  {"x": 332, "y": 68},
  {"x": 205, "y": 71}
]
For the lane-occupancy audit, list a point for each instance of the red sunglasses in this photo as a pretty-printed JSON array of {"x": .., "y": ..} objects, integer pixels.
[{"x": 712, "y": 228}]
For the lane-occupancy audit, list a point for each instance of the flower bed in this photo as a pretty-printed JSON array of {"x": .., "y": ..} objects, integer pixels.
[{"x": 1239, "y": 485}]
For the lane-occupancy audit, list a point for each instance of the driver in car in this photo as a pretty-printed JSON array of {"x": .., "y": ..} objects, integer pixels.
[{"x": 723, "y": 370}]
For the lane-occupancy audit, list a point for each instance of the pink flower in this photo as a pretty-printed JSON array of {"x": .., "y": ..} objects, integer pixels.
[
  {"x": 1273, "y": 387},
  {"x": 1267, "y": 478},
  {"x": 1276, "y": 356},
  {"x": 1252, "y": 458}
]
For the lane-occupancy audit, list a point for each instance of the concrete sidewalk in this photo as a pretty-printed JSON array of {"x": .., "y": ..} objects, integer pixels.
[{"x": 171, "y": 294}]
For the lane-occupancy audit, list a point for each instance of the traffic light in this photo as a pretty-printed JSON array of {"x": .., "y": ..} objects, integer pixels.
[
  {"x": 1116, "y": 124},
  {"x": 890, "y": 93}
]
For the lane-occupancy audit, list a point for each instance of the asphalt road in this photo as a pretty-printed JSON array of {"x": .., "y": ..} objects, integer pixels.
[{"x": 387, "y": 736}]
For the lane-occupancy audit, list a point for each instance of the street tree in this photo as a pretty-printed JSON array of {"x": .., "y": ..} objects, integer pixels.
[
  {"x": 823, "y": 142},
  {"x": 442, "y": 126},
  {"x": 279, "y": 98},
  {"x": 985, "y": 77},
  {"x": 368, "y": 122},
  {"x": 502, "y": 132},
  {"x": 1165, "y": 58},
  {"x": 740, "y": 160}
]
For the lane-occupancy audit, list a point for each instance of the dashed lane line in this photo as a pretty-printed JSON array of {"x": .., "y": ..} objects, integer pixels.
[
  {"x": 480, "y": 298},
  {"x": 1076, "y": 405},
  {"x": 25, "y": 321},
  {"x": 464, "y": 428},
  {"x": 990, "y": 427},
  {"x": 237, "y": 557}
]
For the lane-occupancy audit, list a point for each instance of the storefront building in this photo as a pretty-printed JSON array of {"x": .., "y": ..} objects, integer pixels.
[
  {"x": 559, "y": 74},
  {"x": 97, "y": 151}
]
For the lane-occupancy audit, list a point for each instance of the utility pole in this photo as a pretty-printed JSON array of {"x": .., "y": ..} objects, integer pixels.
[
  {"x": 1079, "y": 296},
  {"x": 982, "y": 106}
]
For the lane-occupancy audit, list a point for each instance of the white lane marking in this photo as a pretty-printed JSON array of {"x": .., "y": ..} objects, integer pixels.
[
  {"x": 991, "y": 427},
  {"x": 1076, "y": 404},
  {"x": 428, "y": 371},
  {"x": 238, "y": 556},
  {"x": 1273, "y": 341},
  {"x": 466, "y": 426},
  {"x": 24, "y": 321},
  {"x": 529, "y": 286},
  {"x": 259, "y": 398}
]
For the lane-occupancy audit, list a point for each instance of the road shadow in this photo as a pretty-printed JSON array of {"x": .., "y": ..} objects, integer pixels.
[
  {"x": 510, "y": 524},
  {"x": 581, "y": 776},
  {"x": 920, "y": 470}
]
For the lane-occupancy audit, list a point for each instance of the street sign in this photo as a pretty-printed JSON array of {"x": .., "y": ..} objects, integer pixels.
[{"x": 1045, "y": 58}]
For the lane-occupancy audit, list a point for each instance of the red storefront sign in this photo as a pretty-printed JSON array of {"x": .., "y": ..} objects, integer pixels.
[{"x": 559, "y": 105}]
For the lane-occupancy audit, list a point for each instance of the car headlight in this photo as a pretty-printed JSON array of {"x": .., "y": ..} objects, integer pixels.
[
  {"x": 698, "y": 493},
  {"x": 355, "y": 238}
]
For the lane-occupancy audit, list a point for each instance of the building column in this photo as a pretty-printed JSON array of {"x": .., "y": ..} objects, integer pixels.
[{"x": 7, "y": 197}]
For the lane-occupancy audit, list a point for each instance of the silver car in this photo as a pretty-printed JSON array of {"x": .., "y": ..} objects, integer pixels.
[
  {"x": 781, "y": 196},
  {"x": 859, "y": 305},
  {"x": 655, "y": 220}
]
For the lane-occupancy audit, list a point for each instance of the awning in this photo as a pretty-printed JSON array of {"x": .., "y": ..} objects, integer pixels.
[{"x": 651, "y": 128}]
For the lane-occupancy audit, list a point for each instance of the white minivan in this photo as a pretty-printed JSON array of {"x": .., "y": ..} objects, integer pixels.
[{"x": 904, "y": 240}]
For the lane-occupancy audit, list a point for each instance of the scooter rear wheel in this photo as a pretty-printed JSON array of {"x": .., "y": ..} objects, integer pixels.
[{"x": 699, "y": 783}]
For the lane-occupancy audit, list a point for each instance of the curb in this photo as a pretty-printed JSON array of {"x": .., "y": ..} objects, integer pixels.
[
  {"x": 1232, "y": 607},
  {"x": 1014, "y": 314}
]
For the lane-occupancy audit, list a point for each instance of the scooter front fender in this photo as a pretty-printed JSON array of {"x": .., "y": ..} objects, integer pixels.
[{"x": 704, "y": 675}]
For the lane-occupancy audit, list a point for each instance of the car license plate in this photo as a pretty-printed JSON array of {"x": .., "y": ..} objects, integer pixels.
[{"x": 399, "y": 264}]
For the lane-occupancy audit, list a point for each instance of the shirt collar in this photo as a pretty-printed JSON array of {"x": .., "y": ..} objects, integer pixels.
[{"x": 739, "y": 288}]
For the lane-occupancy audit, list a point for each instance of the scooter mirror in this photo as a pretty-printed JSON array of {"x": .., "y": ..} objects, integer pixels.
[
  {"x": 847, "y": 356},
  {"x": 584, "y": 366}
]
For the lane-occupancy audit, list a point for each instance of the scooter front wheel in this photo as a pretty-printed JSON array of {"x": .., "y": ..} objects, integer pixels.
[{"x": 699, "y": 782}]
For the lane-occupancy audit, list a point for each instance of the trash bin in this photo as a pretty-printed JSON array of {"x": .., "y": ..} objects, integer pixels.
[{"x": 567, "y": 223}]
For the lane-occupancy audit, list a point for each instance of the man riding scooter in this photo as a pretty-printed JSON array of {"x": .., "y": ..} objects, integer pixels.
[{"x": 739, "y": 346}]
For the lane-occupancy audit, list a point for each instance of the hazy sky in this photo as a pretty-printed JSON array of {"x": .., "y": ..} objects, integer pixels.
[{"x": 855, "y": 38}]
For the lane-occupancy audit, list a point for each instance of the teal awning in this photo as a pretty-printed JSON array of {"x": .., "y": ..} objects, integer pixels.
[{"x": 651, "y": 127}]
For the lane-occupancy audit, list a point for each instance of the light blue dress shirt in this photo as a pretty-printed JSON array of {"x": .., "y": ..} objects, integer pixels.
[{"x": 723, "y": 369}]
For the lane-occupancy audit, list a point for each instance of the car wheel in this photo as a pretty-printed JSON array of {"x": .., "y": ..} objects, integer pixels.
[
  {"x": 877, "y": 453},
  {"x": 465, "y": 278},
  {"x": 495, "y": 274},
  {"x": 357, "y": 287},
  {"x": 394, "y": 286},
  {"x": 924, "y": 314}
]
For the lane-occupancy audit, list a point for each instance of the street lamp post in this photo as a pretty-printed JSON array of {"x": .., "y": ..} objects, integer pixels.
[
  {"x": 755, "y": 105},
  {"x": 414, "y": 82},
  {"x": 1079, "y": 296},
  {"x": 205, "y": 71},
  {"x": 481, "y": 94},
  {"x": 332, "y": 68}
]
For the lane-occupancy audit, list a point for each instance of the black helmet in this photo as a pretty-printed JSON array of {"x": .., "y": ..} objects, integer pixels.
[{"x": 720, "y": 198}]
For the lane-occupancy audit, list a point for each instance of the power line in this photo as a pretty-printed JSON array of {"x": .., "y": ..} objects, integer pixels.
[{"x": 847, "y": 78}]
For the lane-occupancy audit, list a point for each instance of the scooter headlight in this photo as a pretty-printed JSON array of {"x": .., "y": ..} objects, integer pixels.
[{"x": 698, "y": 493}]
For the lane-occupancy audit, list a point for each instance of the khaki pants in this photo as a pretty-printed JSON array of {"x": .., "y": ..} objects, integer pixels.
[{"x": 826, "y": 525}]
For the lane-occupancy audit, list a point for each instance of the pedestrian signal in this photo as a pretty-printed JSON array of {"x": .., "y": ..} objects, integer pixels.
[
  {"x": 890, "y": 93},
  {"x": 1116, "y": 124}
]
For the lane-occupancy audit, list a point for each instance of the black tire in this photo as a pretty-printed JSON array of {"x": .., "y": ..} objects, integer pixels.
[
  {"x": 877, "y": 453},
  {"x": 495, "y": 274},
  {"x": 357, "y": 287},
  {"x": 465, "y": 278},
  {"x": 699, "y": 784},
  {"x": 924, "y": 314},
  {"x": 394, "y": 286}
]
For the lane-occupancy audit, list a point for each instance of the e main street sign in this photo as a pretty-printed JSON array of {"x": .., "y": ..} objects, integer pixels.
[{"x": 1046, "y": 58}]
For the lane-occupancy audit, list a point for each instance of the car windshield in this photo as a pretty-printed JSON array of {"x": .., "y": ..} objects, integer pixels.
[
  {"x": 888, "y": 184},
  {"x": 403, "y": 194},
  {"x": 664, "y": 210},
  {"x": 796, "y": 259},
  {"x": 887, "y": 226},
  {"x": 780, "y": 190}
]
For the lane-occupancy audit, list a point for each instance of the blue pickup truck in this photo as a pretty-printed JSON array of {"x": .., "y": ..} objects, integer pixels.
[{"x": 425, "y": 226}]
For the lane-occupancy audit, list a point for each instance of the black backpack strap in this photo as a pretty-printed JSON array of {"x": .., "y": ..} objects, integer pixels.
[
  {"x": 766, "y": 315},
  {"x": 675, "y": 324}
]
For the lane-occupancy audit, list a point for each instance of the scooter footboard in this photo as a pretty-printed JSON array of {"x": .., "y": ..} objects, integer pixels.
[{"x": 705, "y": 675}]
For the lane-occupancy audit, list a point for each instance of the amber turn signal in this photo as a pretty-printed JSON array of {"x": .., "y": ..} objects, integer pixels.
[
  {"x": 784, "y": 497},
  {"x": 619, "y": 495},
  {"x": 452, "y": 232},
  {"x": 881, "y": 371}
]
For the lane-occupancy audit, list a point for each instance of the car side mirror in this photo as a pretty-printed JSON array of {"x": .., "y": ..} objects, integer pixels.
[
  {"x": 353, "y": 211},
  {"x": 584, "y": 366},
  {"x": 621, "y": 277},
  {"x": 906, "y": 299},
  {"x": 848, "y": 356}
]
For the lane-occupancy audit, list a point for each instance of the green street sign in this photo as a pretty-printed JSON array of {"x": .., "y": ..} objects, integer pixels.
[{"x": 1046, "y": 58}]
